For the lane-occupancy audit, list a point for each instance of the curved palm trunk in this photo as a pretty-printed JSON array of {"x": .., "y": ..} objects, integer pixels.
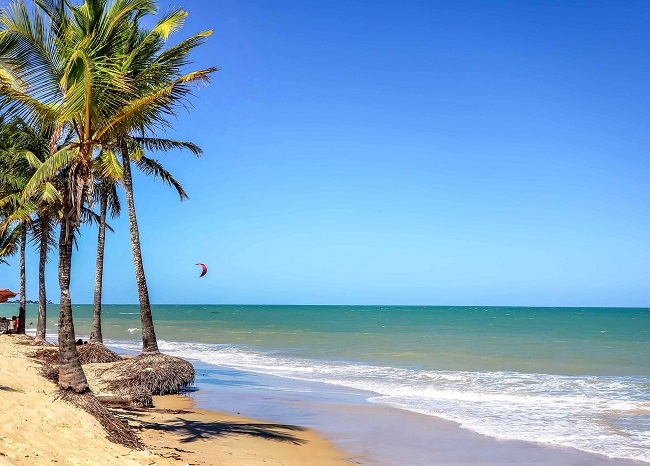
[
  {"x": 96, "y": 330},
  {"x": 41, "y": 323},
  {"x": 22, "y": 300},
  {"x": 149, "y": 343},
  {"x": 71, "y": 375}
]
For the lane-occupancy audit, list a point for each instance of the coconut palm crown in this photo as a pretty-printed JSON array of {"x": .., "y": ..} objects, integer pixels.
[{"x": 66, "y": 65}]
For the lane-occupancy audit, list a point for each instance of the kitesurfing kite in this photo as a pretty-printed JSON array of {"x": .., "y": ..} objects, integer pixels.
[{"x": 204, "y": 269}]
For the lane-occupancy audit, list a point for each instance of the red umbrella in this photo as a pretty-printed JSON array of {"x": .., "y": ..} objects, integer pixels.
[{"x": 6, "y": 294}]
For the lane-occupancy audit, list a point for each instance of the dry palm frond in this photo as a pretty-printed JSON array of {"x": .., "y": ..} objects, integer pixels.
[
  {"x": 159, "y": 374},
  {"x": 118, "y": 431},
  {"x": 21, "y": 338},
  {"x": 43, "y": 343},
  {"x": 96, "y": 353},
  {"x": 135, "y": 396},
  {"x": 48, "y": 355},
  {"x": 141, "y": 397},
  {"x": 50, "y": 372}
]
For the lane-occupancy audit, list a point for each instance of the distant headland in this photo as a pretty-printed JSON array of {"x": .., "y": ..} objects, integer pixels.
[{"x": 15, "y": 301}]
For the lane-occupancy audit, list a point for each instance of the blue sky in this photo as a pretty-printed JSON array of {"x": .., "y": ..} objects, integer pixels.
[{"x": 400, "y": 152}]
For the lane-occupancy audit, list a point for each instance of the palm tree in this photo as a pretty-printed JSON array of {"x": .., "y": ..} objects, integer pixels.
[
  {"x": 63, "y": 75},
  {"x": 107, "y": 174},
  {"x": 44, "y": 231},
  {"x": 110, "y": 173},
  {"x": 147, "y": 64},
  {"x": 149, "y": 342},
  {"x": 66, "y": 66},
  {"x": 15, "y": 212},
  {"x": 29, "y": 149},
  {"x": 37, "y": 146}
]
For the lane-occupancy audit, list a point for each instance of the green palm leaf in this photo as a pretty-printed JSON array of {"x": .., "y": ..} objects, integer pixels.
[
  {"x": 61, "y": 159},
  {"x": 151, "y": 167}
]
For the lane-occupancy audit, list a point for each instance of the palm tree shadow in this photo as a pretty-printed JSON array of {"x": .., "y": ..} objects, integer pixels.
[{"x": 191, "y": 430}]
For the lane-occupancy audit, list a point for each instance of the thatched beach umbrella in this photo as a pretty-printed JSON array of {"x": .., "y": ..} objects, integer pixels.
[
  {"x": 159, "y": 374},
  {"x": 95, "y": 353},
  {"x": 6, "y": 294}
]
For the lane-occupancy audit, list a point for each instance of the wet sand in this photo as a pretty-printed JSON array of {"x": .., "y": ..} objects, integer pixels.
[{"x": 370, "y": 433}]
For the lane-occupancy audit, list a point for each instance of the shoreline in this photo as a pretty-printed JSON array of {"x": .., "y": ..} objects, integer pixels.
[
  {"x": 371, "y": 433},
  {"x": 367, "y": 433},
  {"x": 37, "y": 428}
]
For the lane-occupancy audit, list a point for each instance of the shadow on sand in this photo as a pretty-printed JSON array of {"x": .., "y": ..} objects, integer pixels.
[
  {"x": 192, "y": 430},
  {"x": 8, "y": 389}
]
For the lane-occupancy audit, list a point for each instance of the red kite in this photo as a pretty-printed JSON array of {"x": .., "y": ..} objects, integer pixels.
[
  {"x": 5, "y": 295},
  {"x": 204, "y": 269}
]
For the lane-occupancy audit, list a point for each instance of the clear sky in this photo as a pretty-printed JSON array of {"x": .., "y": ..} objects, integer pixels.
[{"x": 400, "y": 152}]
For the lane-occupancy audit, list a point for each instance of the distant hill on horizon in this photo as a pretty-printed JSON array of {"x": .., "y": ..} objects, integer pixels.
[{"x": 15, "y": 301}]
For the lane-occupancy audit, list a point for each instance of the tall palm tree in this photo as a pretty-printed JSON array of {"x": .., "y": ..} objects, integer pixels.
[
  {"x": 66, "y": 67},
  {"x": 15, "y": 212},
  {"x": 109, "y": 174},
  {"x": 44, "y": 232},
  {"x": 148, "y": 64},
  {"x": 36, "y": 145},
  {"x": 37, "y": 215},
  {"x": 149, "y": 342},
  {"x": 61, "y": 73}
]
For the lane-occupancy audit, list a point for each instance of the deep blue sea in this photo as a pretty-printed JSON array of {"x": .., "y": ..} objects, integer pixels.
[{"x": 577, "y": 377}]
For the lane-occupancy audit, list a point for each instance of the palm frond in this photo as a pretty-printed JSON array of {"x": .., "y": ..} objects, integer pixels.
[
  {"x": 161, "y": 101},
  {"x": 38, "y": 233},
  {"x": 108, "y": 166},
  {"x": 151, "y": 167},
  {"x": 9, "y": 240},
  {"x": 113, "y": 201},
  {"x": 49, "y": 168},
  {"x": 166, "y": 145},
  {"x": 90, "y": 217},
  {"x": 49, "y": 194}
]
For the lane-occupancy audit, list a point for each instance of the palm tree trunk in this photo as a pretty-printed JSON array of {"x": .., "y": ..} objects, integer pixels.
[
  {"x": 71, "y": 375},
  {"x": 149, "y": 343},
  {"x": 41, "y": 323},
  {"x": 22, "y": 300},
  {"x": 96, "y": 331}
]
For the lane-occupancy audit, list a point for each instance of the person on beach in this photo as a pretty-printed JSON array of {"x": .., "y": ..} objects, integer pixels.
[{"x": 14, "y": 324}]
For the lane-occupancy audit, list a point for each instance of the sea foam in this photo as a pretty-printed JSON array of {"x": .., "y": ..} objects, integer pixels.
[{"x": 608, "y": 415}]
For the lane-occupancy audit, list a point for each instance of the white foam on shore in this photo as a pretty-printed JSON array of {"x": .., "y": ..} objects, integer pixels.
[{"x": 605, "y": 415}]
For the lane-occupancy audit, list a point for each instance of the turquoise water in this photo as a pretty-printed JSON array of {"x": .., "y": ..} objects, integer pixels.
[{"x": 577, "y": 377}]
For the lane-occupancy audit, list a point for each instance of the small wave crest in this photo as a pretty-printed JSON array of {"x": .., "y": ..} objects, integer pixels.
[{"x": 606, "y": 415}]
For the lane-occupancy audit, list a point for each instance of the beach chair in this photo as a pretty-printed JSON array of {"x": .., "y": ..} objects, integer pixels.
[{"x": 4, "y": 326}]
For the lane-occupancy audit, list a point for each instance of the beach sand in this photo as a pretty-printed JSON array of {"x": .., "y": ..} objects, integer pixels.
[{"x": 37, "y": 428}]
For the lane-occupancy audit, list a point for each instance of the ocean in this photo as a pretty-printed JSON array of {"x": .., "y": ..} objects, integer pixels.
[{"x": 573, "y": 377}]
